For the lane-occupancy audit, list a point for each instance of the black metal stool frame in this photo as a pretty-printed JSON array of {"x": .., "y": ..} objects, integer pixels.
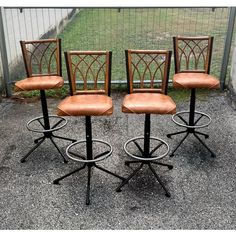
[
  {"x": 191, "y": 124},
  {"x": 89, "y": 156},
  {"x": 145, "y": 152},
  {"x": 47, "y": 129},
  {"x": 89, "y": 160},
  {"x": 191, "y": 130},
  {"x": 47, "y": 133}
]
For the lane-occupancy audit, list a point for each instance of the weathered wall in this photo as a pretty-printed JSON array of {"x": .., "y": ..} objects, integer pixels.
[{"x": 29, "y": 24}]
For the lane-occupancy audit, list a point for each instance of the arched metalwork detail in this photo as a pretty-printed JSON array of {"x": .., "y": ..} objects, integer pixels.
[
  {"x": 93, "y": 68},
  {"x": 193, "y": 54},
  {"x": 42, "y": 57},
  {"x": 150, "y": 68}
]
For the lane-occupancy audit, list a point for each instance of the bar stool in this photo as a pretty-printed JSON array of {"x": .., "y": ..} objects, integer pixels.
[
  {"x": 92, "y": 98},
  {"x": 42, "y": 59},
  {"x": 145, "y": 67},
  {"x": 192, "y": 67}
]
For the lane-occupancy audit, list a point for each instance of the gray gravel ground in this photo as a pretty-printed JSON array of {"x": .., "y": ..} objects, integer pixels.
[{"x": 203, "y": 188}]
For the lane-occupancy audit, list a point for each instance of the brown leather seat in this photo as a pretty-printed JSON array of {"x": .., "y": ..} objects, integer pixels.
[
  {"x": 148, "y": 103},
  {"x": 86, "y": 105},
  {"x": 195, "y": 80},
  {"x": 39, "y": 83}
]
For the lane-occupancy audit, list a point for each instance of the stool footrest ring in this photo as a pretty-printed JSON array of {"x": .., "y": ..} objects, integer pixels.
[
  {"x": 53, "y": 128},
  {"x": 82, "y": 159},
  {"x": 143, "y": 158},
  {"x": 186, "y": 124}
]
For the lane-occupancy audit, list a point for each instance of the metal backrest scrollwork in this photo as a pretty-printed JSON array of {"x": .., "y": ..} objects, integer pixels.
[
  {"x": 192, "y": 54},
  {"x": 147, "y": 70},
  {"x": 92, "y": 69},
  {"x": 42, "y": 57}
]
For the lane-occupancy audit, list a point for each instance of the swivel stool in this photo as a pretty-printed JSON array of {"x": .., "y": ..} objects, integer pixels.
[
  {"x": 147, "y": 78},
  {"x": 42, "y": 59},
  {"x": 92, "y": 98},
  {"x": 192, "y": 67}
]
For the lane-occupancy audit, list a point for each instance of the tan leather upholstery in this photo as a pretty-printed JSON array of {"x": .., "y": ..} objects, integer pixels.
[
  {"x": 86, "y": 105},
  {"x": 39, "y": 83},
  {"x": 195, "y": 80},
  {"x": 148, "y": 103}
]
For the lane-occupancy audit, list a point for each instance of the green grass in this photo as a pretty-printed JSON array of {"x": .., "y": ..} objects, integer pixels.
[
  {"x": 109, "y": 29},
  {"x": 52, "y": 93}
]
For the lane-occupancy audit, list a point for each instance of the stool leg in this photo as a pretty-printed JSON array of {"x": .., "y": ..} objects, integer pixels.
[
  {"x": 65, "y": 161},
  {"x": 60, "y": 137},
  {"x": 139, "y": 148},
  {"x": 88, "y": 186},
  {"x": 196, "y": 121},
  {"x": 77, "y": 155},
  {"x": 154, "y": 149},
  {"x": 172, "y": 154},
  {"x": 170, "y": 167},
  {"x": 212, "y": 153},
  {"x": 38, "y": 139},
  {"x": 109, "y": 172},
  {"x": 181, "y": 118},
  {"x": 118, "y": 189},
  {"x": 56, "y": 181},
  {"x": 101, "y": 154},
  {"x": 40, "y": 122},
  {"x": 205, "y": 135},
  {"x": 159, "y": 180},
  {"x": 31, "y": 150},
  {"x": 172, "y": 134}
]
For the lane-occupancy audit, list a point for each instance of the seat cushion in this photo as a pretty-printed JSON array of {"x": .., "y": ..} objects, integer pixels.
[
  {"x": 39, "y": 83},
  {"x": 86, "y": 105},
  {"x": 195, "y": 80},
  {"x": 148, "y": 103}
]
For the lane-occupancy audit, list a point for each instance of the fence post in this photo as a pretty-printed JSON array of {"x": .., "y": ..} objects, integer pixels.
[
  {"x": 3, "y": 52},
  {"x": 227, "y": 47}
]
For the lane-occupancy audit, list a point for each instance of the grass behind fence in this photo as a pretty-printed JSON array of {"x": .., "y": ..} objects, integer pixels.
[{"x": 151, "y": 28}]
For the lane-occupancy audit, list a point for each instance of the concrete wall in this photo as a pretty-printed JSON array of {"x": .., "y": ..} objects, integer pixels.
[{"x": 29, "y": 24}]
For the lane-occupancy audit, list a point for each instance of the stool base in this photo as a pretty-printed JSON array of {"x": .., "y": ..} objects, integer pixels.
[
  {"x": 146, "y": 155},
  {"x": 90, "y": 166},
  {"x": 89, "y": 159},
  {"x": 118, "y": 189},
  {"x": 40, "y": 140},
  {"x": 195, "y": 133},
  {"x": 191, "y": 125},
  {"x": 47, "y": 129}
]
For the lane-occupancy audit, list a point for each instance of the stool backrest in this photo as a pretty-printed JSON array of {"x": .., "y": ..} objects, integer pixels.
[
  {"x": 147, "y": 70},
  {"x": 192, "y": 54},
  {"x": 42, "y": 57},
  {"x": 92, "y": 69}
]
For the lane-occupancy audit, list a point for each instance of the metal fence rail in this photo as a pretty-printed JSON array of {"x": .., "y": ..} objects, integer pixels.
[{"x": 114, "y": 29}]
